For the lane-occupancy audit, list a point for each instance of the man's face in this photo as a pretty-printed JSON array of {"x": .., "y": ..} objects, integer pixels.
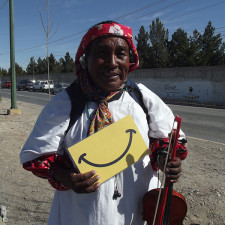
[{"x": 108, "y": 62}]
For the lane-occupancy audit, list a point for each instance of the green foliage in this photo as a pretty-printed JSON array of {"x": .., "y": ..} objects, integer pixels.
[
  {"x": 3, "y": 72},
  {"x": 194, "y": 48},
  {"x": 158, "y": 35},
  {"x": 155, "y": 50},
  {"x": 57, "y": 68},
  {"x": 179, "y": 49},
  {"x": 31, "y": 67},
  {"x": 64, "y": 65},
  {"x": 212, "y": 48},
  {"x": 143, "y": 47},
  {"x": 42, "y": 66},
  {"x": 18, "y": 69},
  {"x": 52, "y": 62},
  {"x": 68, "y": 63}
]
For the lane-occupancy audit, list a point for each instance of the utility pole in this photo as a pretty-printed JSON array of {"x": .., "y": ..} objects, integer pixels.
[
  {"x": 47, "y": 38},
  {"x": 13, "y": 109},
  {"x": 33, "y": 70}
]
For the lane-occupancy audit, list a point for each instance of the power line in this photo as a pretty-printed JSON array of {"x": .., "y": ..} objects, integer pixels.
[
  {"x": 140, "y": 9},
  {"x": 133, "y": 12},
  {"x": 156, "y": 10},
  {"x": 43, "y": 45},
  {"x": 125, "y": 15},
  {"x": 63, "y": 38},
  {"x": 219, "y": 27},
  {"x": 3, "y": 4},
  {"x": 182, "y": 14},
  {"x": 201, "y": 9}
]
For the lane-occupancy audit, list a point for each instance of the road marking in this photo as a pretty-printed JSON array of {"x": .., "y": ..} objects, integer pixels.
[{"x": 205, "y": 140}]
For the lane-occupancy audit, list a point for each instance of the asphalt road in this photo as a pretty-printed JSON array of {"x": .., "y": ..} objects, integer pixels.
[
  {"x": 38, "y": 98},
  {"x": 197, "y": 122},
  {"x": 202, "y": 122}
]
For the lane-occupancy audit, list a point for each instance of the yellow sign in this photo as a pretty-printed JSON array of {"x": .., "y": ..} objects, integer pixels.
[{"x": 110, "y": 150}]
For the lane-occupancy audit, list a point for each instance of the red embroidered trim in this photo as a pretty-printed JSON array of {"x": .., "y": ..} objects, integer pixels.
[
  {"x": 44, "y": 167},
  {"x": 157, "y": 146}
]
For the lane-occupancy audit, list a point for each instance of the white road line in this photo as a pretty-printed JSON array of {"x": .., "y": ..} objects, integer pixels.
[{"x": 205, "y": 140}]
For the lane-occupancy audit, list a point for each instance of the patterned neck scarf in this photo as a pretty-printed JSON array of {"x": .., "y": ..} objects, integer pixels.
[{"x": 103, "y": 116}]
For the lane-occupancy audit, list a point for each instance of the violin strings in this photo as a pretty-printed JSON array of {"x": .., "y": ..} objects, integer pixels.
[{"x": 163, "y": 176}]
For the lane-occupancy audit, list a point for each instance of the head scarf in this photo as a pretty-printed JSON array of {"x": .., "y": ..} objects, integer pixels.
[
  {"x": 103, "y": 116},
  {"x": 107, "y": 29}
]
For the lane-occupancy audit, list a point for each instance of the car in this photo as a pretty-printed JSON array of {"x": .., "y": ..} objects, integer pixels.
[
  {"x": 38, "y": 85},
  {"x": 43, "y": 85},
  {"x": 30, "y": 86},
  {"x": 48, "y": 84},
  {"x": 6, "y": 84},
  {"x": 59, "y": 87},
  {"x": 25, "y": 85}
]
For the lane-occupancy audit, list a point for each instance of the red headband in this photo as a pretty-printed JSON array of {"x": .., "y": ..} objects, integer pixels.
[{"x": 107, "y": 29}]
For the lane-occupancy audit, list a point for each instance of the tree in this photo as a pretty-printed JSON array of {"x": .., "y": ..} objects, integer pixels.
[
  {"x": 212, "y": 51},
  {"x": 179, "y": 49},
  {"x": 57, "y": 67},
  {"x": 195, "y": 47},
  {"x": 52, "y": 62},
  {"x": 3, "y": 72},
  {"x": 42, "y": 67},
  {"x": 62, "y": 64},
  {"x": 69, "y": 63},
  {"x": 143, "y": 47},
  {"x": 159, "y": 56},
  {"x": 19, "y": 70},
  {"x": 32, "y": 66}
]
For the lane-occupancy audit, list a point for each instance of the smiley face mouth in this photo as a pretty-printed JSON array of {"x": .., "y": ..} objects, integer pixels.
[{"x": 82, "y": 157}]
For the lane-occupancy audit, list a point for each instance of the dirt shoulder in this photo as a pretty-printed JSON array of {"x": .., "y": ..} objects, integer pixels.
[{"x": 28, "y": 199}]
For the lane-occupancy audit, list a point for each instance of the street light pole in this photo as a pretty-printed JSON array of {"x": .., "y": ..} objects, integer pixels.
[{"x": 13, "y": 109}]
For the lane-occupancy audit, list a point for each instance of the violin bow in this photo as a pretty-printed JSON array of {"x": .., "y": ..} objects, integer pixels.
[{"x": 166, "y": 182}]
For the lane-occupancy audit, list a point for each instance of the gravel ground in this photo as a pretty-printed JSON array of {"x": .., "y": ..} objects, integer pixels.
[{"x": 26, "y": 199}]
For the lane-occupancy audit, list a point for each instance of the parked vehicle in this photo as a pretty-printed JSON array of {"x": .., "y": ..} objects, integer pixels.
[
  {"x": 30, "y": 86},
  {"x": 43, "y": 85},
  {"x": 59, "y": 87},
  {"x": 48, "y": 85},
  {"x": 38, "y": 85},
  {"x": 6, "y": 84},
  {"x": 25, "y": 85}
]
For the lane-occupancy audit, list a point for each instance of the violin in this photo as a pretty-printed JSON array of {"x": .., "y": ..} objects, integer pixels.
[{"x": 165, "y": 206}]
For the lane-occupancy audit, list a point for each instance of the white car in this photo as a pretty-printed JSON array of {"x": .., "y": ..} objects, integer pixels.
[
  {"x": 48, "y": 85},
  {"x": 38, "y": 85},
  {"x": 43, "y": 85},
  {"x": 59, "y": 87}
]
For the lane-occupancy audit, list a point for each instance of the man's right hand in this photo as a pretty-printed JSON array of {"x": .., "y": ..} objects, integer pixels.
[{"x": 80, "y": 183}]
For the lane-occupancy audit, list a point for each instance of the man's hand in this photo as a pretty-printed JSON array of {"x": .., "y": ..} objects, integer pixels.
[
  {"x": 80, "y": 183},
  {"x": 84, "y": 182},
  {"x": 173, "y": 170}
]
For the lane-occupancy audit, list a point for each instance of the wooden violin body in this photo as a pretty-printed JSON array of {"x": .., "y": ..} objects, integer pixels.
[
  {"x": 177, "y": 212},
  {"x": 165, "y": 206}
]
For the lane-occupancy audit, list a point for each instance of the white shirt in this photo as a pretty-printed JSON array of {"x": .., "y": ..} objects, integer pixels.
[{"x": 98, "y": 208}]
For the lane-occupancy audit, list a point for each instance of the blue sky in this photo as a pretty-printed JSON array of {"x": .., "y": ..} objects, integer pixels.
[{"x": 74, "y": 17}]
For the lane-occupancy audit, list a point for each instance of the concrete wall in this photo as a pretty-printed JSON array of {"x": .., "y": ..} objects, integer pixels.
[
  {"x": 204, "y": 85},
  {"x": 200, "y": 85}
]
